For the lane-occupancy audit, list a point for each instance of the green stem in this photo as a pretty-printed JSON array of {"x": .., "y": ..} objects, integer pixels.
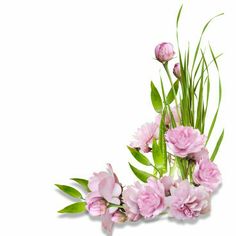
[{"x": 172, "y": 87}]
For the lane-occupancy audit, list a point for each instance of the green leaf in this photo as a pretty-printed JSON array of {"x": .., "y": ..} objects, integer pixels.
[
  {"x": 217, "y": 146},
  {"x": 178, "y": 16},
  {"x": 142, "y": 175},
  {"x": 157, "y": 157},
  {"x": 69, "y": 190},
  {"x": 162, "y": 142},
  {"x": 139, "y": 156},
  {"x": 156, "y": 98},
  {"x": 77, "y": 207},
  {"x": 82, "y": 182},
  {"x": 173, "y": 91}
]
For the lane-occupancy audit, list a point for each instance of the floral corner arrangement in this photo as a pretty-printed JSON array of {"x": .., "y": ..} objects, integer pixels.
[{"x": 184, "y": 174}]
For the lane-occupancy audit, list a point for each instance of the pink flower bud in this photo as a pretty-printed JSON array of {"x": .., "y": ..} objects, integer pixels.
[
  {"x": 96, "y": 206},
  {"x": 118, "y": 217},
  {"x": 177, "y": 71},
  {"x": 164, "y": 52}
]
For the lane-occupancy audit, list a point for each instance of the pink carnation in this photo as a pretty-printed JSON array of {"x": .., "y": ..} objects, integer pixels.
[
  {"x": 167, "y": 182},
  {"x": 185, "y": 140},
  {"x": 164, "y": 52},
  {"x": 168, "y": 117},
  {"x": 105, "y": 185},
  {"x": 198, "y": 156},
  {"x": 130, "y": 197},
  {"x": 151, "y": 198},
  {"x": 96, "y": 206},
  {"x": 188, "y": 202},
  {"x": 144, "y": 136},
  {"x": 206, "y": 173}
]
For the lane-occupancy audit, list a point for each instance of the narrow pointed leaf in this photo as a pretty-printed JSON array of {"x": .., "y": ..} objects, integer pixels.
[
  {"x": 157, "y": 157},
  {"x": 171, "y": 95},
  {"x": 139, "y": 156},
  {"x": 156, "y": 98},
  {"x": 75, "y": 208},
  {"x": 216, "y": 149},
  {"x": 82, "y": 182},
  {"x": 162, "y": 142},
  {"x": 69, "y": 190},
  {"x": 140, "y": 174}
]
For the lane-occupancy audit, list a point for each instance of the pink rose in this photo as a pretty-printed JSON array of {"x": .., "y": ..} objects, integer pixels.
[
  {"x": 198, "y": 156},
  {"x": 96, "y": 206},
  {"x": 177, "y": 71},
  {"x": 105, "y": 185},
  {"x": 164, "y": 52},
  {"x": 118, "y": 217},
  {"x": 206, "y": 173},
  {"x": 130, "y": 197},
  {"x": 144, "y": 136},
  {"x": 185, "y": 140},
  {"x": 151, "y": 198},
  {"x": 187, "y": 201}
]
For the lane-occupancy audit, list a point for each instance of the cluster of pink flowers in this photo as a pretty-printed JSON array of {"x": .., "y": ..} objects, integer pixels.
[{"x": 183, "y": 196}]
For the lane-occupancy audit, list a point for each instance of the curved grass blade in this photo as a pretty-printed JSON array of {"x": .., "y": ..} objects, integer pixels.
[
  {"x": 219, "y": 101},
  {"x": 216, "y": 149}
]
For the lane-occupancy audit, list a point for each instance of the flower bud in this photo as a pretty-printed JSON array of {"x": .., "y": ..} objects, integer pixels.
[
  {"x": 177, "y": 71},
  {"x": 119, "y": 217},
  {"x": 164, "y": 52},
  {"x": 97, "y": 206}
]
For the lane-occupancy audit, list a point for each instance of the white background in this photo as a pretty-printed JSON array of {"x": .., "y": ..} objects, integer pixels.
[{"x": 75, "y": 86}]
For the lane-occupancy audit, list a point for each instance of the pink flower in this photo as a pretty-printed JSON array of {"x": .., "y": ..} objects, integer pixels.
[
  {"x": 175, "y": 116},
  {"x": 105, "y": 185},
  {"x": 119, "y": 217},
  {"x": 198, "y": 156},
  {"x": 177, "y": 71},
  {"x": 151, "y": 198},
  {"x": 96, "y": 206},
  {"x": 144, "y": 136},
  {"x": 167, "y": 182},
  {"x": 164, "y": 52},
  {"x": 188, "y": 202},
  {"x": 130, "y": 197},
  {"x": 206, "y": 173},
  {"x": 107, "y": 223},
  {"x": 185, "y": 140}
]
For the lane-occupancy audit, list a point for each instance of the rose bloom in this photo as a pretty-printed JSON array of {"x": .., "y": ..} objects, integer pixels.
[
  {"x": 185, "y": 140},
  {"x": 177, "y": 71},
  {"x": 206, "y": 173},
  {"x": 164, "y": 52},
  {"x": 151, "y": 198},
  {"x": 187, "y": 201},
  {"x": 105, "y": 185},
  {"x": 130, "y": 197},
  {"x": 144, "y": 136}
]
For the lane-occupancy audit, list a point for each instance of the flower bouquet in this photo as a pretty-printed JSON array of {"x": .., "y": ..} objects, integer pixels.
[{"x": 184, "y": 175}]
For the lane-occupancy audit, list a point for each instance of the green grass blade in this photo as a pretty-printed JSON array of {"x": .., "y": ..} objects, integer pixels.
[{"x": 216, "y": 149}]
